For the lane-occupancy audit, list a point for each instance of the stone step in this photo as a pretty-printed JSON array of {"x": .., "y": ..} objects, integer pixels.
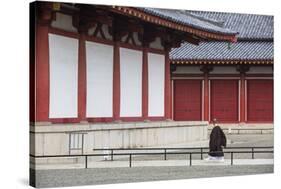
[{"x": 155, "y": 163}]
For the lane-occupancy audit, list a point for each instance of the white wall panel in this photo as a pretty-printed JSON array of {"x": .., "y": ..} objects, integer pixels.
[
  {"x": 156, "y": 84},
  {"x": 63, "y": 76},
  {"x": 188, "y": 69},
  {"x": 63, "y": 21},
  {"x": 224, "y": 70},
  {"x": 130, "y": 83},
  {"x": 156, "y": 44},
  {"x": 260, "y": 70},
  {"x": 99, "y": 59}
]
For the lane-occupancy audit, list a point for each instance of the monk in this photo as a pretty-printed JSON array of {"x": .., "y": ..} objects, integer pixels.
[{"x": 217, "y": 140}]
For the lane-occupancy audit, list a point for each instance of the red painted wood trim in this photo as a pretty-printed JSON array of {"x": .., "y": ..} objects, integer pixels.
[
  {"x": 128, "y": 119},
  {"x": 42, "y": 73},
  {"x": 156, "y": 51},
  {"x": 221, "y": 62},
  {"x": 259, "y": 75},
  {"x": 99, "y": 40},
  {"x": 130, "y": 46},
  {"x": 167, "y": 90},
  {"x": 156, "y": 118},
  {"x": 82, "y": 79},
  {"x": 116, "y": 81},
  {"x": 63, "y": 33},
  {"x": 187, "y": 75},
  {"x": 129, "y": 11},
  {"x": 242, "y": 98},
  {"x": 260, "y": 122},
  {"x": 224, "y": 75},
  {"x": 32, "y": 40},
  {"x": 101, "y": 119},
  {"x": 64, "y": 120},
  {"x": 206, "y": 97},
  {"x": 145, "y": 84}
]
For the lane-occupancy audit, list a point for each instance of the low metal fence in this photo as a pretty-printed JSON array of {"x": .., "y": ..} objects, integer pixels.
[
  {"x": 246, "y": 130},
  {"x": 164, "y": 153}
]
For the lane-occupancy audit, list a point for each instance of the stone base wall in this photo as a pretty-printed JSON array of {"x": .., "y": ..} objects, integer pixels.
[{"x": 55, "y": 139}]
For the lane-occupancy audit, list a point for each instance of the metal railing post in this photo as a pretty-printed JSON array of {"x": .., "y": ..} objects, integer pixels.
[
  {"x": 69, "y": 143},
  {"x": 130, "y": 160},
  {"x": 111, "y": 154},
  {"x": 83, "y": 143},
  {"x": 165, "y": 154},
  {"x": 190, "y": 159},
  {"x": 231, "y": 158},
  {"x": 201, "y": 149},
  {"x": 253, "y": 157},
  {"x": 86, "y": 161}
]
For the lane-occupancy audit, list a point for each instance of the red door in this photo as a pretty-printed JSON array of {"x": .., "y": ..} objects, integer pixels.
[
  {"x": 187, "y": 100},
  {"x": 260, "y": 100},
  {"x": 224, "y": 100}
]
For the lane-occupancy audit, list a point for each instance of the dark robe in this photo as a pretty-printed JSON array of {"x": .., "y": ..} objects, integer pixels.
[{"x": 217, "y": 140}]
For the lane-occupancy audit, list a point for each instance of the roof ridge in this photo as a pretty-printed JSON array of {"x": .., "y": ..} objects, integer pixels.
[{"x": 210, "y": 20}]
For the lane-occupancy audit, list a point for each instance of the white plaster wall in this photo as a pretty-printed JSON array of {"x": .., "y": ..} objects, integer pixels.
[
  {"x": 156, "y": 84},
  {"x": 224, "y": 70},
  {"x": 136, "y": 38},
  {"x": 105, "y": 29},
  {"x": 99, "y": 58},
  {"x": 63, "y": 76},
  {"x": 92, "y": 30},
  {"x": 188, "y": 69},
  {"x": 156, "y": 44},
  {"x": 63, "y": 21},
  {"x": 123, "y": 39},
  {"x": 130, "y": 83},
  {"x": 260, "y": 70}
]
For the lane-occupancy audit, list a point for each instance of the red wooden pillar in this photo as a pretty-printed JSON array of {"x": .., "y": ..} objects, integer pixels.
[
  {"x": 206, "y": 97},
  {"x": 242, "y": 69},
  {"x": 116, "y": 81},
  {"x": 206, "y": 69},
  {"x": 168, "y": 96},
  {"x": 44, "y": 16},
  {"x": 242, "y": 97},
  {"x": 145, "y": 84},
  {"x": 82, "y": 79}
]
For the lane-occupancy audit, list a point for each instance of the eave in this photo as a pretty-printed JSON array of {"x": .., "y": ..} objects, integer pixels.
[
  {"x": 222, "y": 62},
  {"x": 133, "y": 12}
]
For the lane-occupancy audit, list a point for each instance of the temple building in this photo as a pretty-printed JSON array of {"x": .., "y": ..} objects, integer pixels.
[
  {"x": 114, "y": 76},
  {"x": 230, "y": 82}
]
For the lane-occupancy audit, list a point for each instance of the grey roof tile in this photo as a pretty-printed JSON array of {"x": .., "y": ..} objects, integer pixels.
[
  {"x": 249, "y": 26},
  {"x": 191, "y": 20},
  {"x": 220, "y": 50}
]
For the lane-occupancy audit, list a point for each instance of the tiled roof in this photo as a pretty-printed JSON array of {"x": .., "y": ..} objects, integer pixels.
[
  {"x": 249, "y": 26},
  {"x": 188, "y": 19},
  {"x": 249, "y": 50},
  {"x": 255, "y": 30}
]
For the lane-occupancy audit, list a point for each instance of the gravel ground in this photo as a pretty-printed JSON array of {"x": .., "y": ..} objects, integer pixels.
[{"x": 58, "y": 178}]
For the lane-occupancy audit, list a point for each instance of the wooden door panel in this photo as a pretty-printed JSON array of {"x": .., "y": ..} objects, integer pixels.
[
  {"x": 260, "y": 100},
  {"x": 224, "y": 100},
  {"x": 187, "y": 100}
]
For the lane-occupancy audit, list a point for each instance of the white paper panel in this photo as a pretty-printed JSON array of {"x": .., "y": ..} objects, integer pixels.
[
  {"x": 99, "y": 79},
  {"x": 156, "y": 84},
  {"x": 63, "y": 76},
  {"x": 130, "y": 83}
]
